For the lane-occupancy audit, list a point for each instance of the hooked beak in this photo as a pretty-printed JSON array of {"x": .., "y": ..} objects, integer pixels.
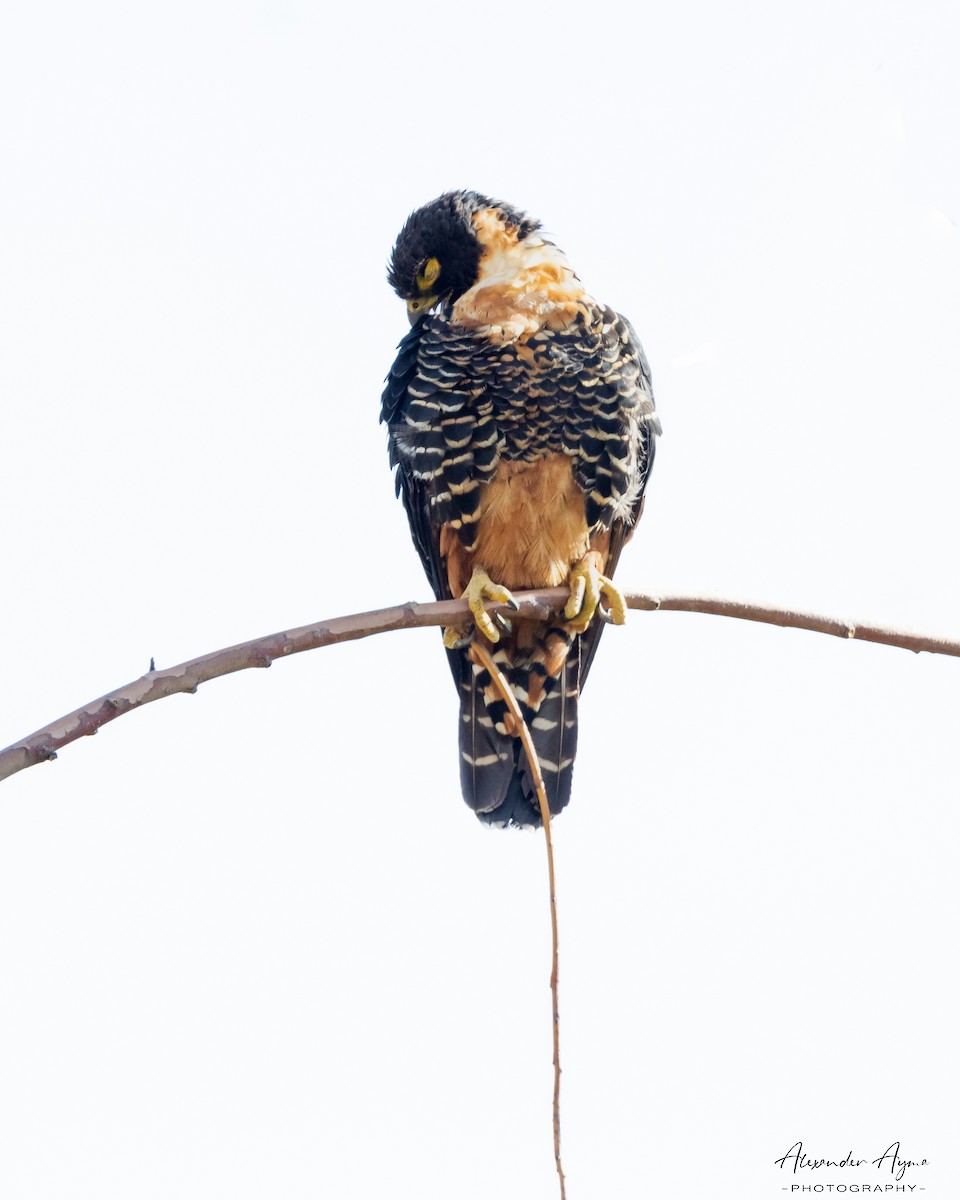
[{"x": 417, "y": 309}]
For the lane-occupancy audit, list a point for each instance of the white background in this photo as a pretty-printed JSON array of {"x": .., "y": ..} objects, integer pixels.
[{"x": 252, "y": 943}]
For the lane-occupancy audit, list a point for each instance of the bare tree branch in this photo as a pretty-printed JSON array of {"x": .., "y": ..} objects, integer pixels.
[
  {"x": 483, "y": 655},
  {"x": 187, "y": 677}
]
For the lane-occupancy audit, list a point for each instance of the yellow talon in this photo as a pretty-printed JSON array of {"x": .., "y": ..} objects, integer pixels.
[
  {"x": 480, "y": 589},
  {"x": 587, "y": 586}
]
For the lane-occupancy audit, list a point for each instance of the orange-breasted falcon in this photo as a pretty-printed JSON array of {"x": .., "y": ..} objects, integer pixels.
[{"x": 521, "y": 423}]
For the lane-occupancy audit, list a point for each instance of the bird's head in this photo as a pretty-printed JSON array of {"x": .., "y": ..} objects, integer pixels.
[{"x": 437, "y": 254}]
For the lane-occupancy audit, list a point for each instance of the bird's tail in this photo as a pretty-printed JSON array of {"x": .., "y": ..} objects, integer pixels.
[{"x": 542, "y": 663}]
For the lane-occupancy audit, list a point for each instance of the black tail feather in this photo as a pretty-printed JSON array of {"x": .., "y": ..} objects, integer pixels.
[{"x": 494, "y": 772}]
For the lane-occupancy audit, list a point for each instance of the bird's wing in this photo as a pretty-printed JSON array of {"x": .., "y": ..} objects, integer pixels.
[
  {"x": 411, "y": 450},
  {"x": 637, "y": 417}
]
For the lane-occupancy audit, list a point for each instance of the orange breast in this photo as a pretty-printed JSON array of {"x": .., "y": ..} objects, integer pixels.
[{"x": 532, "y": 526}]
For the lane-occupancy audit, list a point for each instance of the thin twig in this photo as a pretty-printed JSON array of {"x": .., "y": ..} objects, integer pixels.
[
  {"x": 506, "y": 692},
  {"x": 187, "y": 677}
]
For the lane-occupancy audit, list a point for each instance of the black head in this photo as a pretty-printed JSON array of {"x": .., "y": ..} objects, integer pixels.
[{"x": 437, "y": 255}]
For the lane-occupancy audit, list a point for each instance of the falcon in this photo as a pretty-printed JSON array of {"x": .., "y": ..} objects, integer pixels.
[{"x": 521, "y": 425}]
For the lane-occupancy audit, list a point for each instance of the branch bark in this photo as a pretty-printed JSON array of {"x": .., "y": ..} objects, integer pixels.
[
  {"x": 506, "y": 693},
  {"x": 43, "y": 745}
]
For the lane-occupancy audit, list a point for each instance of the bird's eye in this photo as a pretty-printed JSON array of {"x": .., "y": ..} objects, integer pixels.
[{"x": 427, "y": 275}]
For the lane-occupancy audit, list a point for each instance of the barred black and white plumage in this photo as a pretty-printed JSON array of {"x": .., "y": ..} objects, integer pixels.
[{"x": 521, "y": 424}]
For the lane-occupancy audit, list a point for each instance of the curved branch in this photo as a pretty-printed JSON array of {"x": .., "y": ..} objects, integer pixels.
[
  {"x": 187, "y": 677},
  {"x": 481, "y": 652}
]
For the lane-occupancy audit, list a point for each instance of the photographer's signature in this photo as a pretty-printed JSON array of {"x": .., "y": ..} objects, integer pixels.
[{"x": 797, "y": 1159}]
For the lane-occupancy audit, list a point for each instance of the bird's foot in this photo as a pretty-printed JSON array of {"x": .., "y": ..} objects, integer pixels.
[
  {"x": 480, "y": 589},
  {"x": 587, "y": 586}
]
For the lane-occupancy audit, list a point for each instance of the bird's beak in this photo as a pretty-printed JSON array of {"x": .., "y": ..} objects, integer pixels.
[{"x": 417, "y": 309}]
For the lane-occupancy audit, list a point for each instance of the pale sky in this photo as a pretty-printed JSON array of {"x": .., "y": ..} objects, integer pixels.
[{"x": 252, "y": 943}]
